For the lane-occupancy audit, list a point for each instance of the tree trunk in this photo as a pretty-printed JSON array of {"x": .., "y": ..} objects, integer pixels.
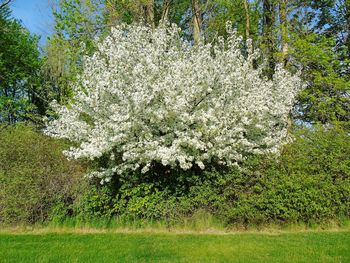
[
  {"x": 284, "y": 31},
  {"x": 165, "y": 12},
  {"x": 284, "y": 44},
  {"x": 247, "y": 18},
  {"x": 111, "y": 13},
  {"x": 148, "y": 13},
  {"x": 268, "y": 38},
  {"x": 347, "y": 14},
  {"x": 196, "y": 20}
]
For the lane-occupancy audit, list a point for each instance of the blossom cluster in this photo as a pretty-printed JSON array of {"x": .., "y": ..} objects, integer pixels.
[{"x": 148, "y": 96}]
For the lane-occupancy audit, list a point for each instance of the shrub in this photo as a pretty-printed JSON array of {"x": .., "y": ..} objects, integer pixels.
[
  {"x": 95, "y": 202},
  {"x": 309, "y": 183},
  {"x": 148, "y": 98},
  {"x": 34, "y": 176},
  {"x": 165, "y": 194}
]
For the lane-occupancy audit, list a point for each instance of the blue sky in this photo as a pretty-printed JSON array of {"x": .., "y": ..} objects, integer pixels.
[{"x": 36, "y": 15}]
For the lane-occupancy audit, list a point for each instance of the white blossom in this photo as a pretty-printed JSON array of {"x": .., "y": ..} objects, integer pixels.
[{"x": 149, "y": 97}]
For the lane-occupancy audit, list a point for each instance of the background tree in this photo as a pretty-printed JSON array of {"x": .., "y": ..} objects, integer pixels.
[
  {"x": 19, "y": 71},
  {"x": 244, "y": 15},
  {"x": 283, "y": 30},
  {"x": 268, "y": 36},
  {"x": 319, "y": 47},
  {"x": 77, "y": 24},
  {"x": 196, "y": 21},
  {"x": 247, "y": 18},
  {"x": 294, "y": 33},
  {"x": 4, "y": 3}
]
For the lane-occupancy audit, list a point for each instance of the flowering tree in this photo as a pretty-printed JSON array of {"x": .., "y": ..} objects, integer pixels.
[{"x": 149, "y": 97}]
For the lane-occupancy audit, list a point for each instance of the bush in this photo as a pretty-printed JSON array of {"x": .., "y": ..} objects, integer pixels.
[
  {"x": 95, "y": 202},
  {"x": 35, "y": 178},
  {"x": 168, "y": 194},
  {"x": 309, "y": 182},
  {"x": 148, "y": 97}
]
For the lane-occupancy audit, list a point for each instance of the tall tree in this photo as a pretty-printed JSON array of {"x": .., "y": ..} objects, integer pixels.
[
  {"x": 269, "y": 9},
  {"x": 347, "y": 15},
  {"x": 326, "y": 96},
  {"x": 77, "y": 23},
  {"x": 196, "y": 21},
  {"x": 147, "y": 11},
  {"x": 317, "y": 45},
  {"x": 343, "y": 29},
  {"x": 129, "y": 11},
  {"x": 283, "y": 31},
  {"x": 165, "y": 11},
  {"x": 247, "y": 18},
  {"x": 231, "y": 10},
  {"x": 19, "y": 71}
]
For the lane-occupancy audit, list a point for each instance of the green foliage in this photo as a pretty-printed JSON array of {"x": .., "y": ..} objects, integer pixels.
[
  {"x": 35, "y": 178},
  {"x": 309, "y": 182},
  {"x": 77, "y": 24},
  {"x": 95, "y": 202},
  {"x": 326, "y": 97},
  {"x": 19, "y": 71},
  {"x": 228, "y": 10},
  {"x": 315, "y": 39}
]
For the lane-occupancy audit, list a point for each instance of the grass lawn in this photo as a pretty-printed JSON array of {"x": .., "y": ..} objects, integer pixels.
[{"x": 157, "y": 247}]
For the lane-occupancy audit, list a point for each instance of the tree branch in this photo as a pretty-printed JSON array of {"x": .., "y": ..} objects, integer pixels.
[{"x": 5, "y": 4}]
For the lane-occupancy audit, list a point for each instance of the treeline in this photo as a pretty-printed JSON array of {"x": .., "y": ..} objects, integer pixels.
[{"x": 300, "y": 34}]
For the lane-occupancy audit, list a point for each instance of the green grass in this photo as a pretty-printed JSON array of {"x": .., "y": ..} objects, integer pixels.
[{"x": 162, "y": 247}]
